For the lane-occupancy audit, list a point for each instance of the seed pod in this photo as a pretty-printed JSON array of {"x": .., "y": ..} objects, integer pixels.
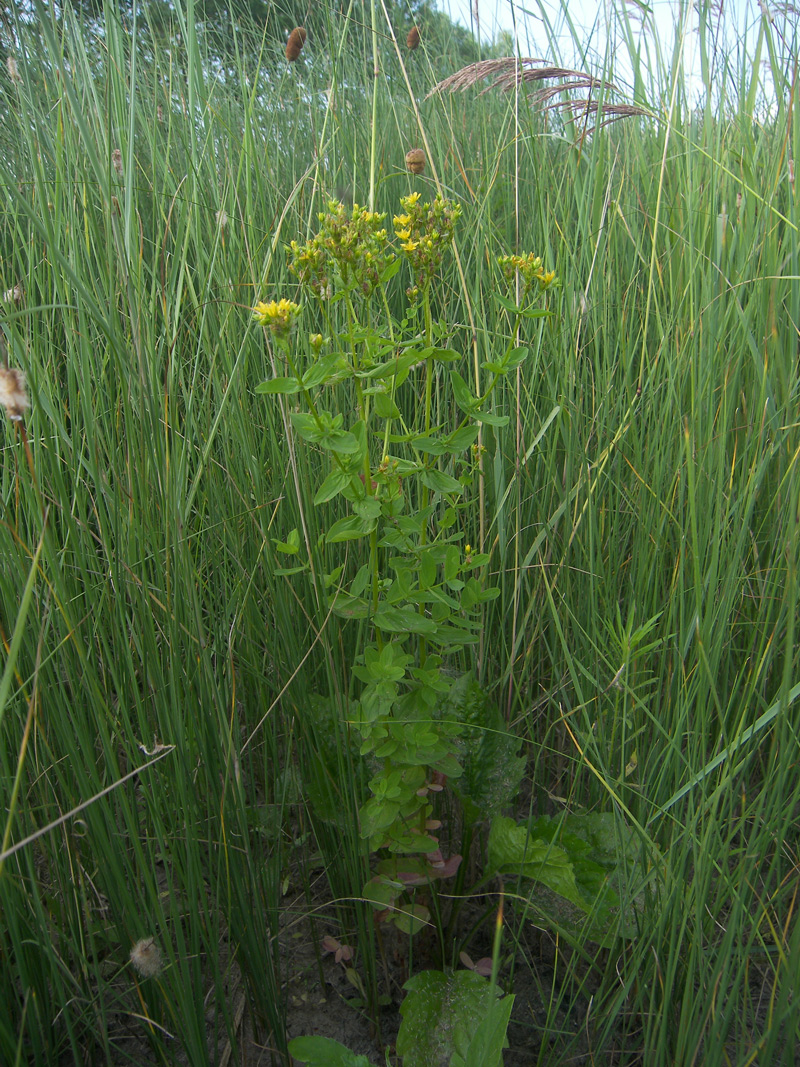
[
  {"x": 294, "y": 46},
  {"x": 415, "y": 160},
  {"x": 412, "y": 40}
]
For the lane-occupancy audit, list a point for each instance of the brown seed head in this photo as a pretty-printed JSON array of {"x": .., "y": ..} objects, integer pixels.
[
  {"x": 412, "y": 41},
  {"x": 415, "y": 160},
  {"x": 116, "y": 161},
  {"x": 13, "y": 69},
  {"x": 13, "y": 393},
  {"x": 14, "y": 295},
  {"x": 294, "y": 46}
]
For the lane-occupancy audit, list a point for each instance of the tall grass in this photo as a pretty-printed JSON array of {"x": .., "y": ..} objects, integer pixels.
[{"x": 641, "y": 510}]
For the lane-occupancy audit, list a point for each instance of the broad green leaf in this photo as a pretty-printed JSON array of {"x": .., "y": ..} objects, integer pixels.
[
  {"x": 511, "y": 850},
  {"x": 440, "y": 482},
  {"x": 403, "y": 620},
  {"x": 441, "y": 1015},
  {"x": 487, "y": 1044},
  {"x": 462, "y": 438},
  {"x": 432, "y": 446},
  {"x": 397, "y": 367},
  {"x": 461, "y": 391},
  {"x": 287, "y": 386},
  {"x": 385, "y": 407},
  {"x": 490, "y": 419},
  {"x": 350, "y": 607},
  {"x": 336, "y": 481},
  {"x": 328, "y": 369},
  {"x": 442, "y": 355},
  {"x": 349, "y": 528},
  {"x": 291, "y": 546},
  {"x": 324, "y": 1052},
  {"x": 492, "y": 765},
  {"x": 411, "y": 919}
]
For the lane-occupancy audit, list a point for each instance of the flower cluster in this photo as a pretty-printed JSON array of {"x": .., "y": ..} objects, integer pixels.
[
  {"x": 426, "y": 232},
  {"x": 353, "y": 243},
  {"x": 278, "y": 315},
  {"x": 530, "y": 269}
]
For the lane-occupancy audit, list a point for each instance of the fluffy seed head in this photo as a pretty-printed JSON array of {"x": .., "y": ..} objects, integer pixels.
[
  {"x": 13, "y": 70},
  {"x": 14, "y": 296},
  {"x": 294, "y": 46},
  {"x": 415, "y": 160},
  {"x": 13, "y": 393},
  {"x": 412, "y": 41},
  {"x": 146, "y": 957},
  {"x": 222, "y": 218},
  {"x": 116, "y": 161}
]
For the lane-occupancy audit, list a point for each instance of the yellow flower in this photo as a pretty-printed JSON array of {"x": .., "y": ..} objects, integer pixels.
[
  {"x": 278, "y": 315},
  {"x": 410, "y": 200},
  {"x": 403, "y": 235},
  {"x": 409, "y": 246},
  {"x": 402, "y": 220}
]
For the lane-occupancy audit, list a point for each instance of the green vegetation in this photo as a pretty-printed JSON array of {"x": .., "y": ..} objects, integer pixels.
[{"x": 195, "y": 789}]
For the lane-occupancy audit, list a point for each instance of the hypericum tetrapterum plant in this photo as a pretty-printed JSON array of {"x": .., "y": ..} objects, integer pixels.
[{"x": 401, "y": 462}]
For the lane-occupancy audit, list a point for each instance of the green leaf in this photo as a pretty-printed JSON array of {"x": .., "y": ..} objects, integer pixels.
[
  {"x": 462, "y": 438},
  {"x": 291, "y": 546},
  {"x": 489, "y": 419},
  {"x": 385, "y": 407},
  {"x": 464, "y": 398},
  {"x": 442, "y": 355},
  {"x": 397, "y": 368},
  {"x": 325, "y": 431},
  {"x": 516, "y": 356},
  {"x": 350, "y": 607},
  {"x": 336, "y": 481},
  {"x": 487, "y": 1044},
  {"x": 324, "y": 1052},
  {"x": 403, "y": 620},
  {"x": 349, "y": 528},
  {"x": 511, "y": 850},
  {"x": 441, "y": 1016},
  {"x": 328, "y": 369},
  {"x": 279, "y": 385},
  {"x": 431, "y": 446},
  {"x": 509, "y": 305},
  {"x": 492, "y": 765},
  {"x": 440, "y": 482},
  {"x": 410, "y": 920}
]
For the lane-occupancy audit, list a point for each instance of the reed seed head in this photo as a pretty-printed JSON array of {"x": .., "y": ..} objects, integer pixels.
[
  {"x": 116, "y": 161},
  {"x": 146, "y": 958},
  {"x": 415, "y": 160},
  {"x": 13, "y": 69},
  {"x": 14, "y": 295},
  {"x": 412, "y": 41},
  {"x": 13, "y": 393},
  {"x": 222, "y": 219},
  {"x": 294, "y": 46}
]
